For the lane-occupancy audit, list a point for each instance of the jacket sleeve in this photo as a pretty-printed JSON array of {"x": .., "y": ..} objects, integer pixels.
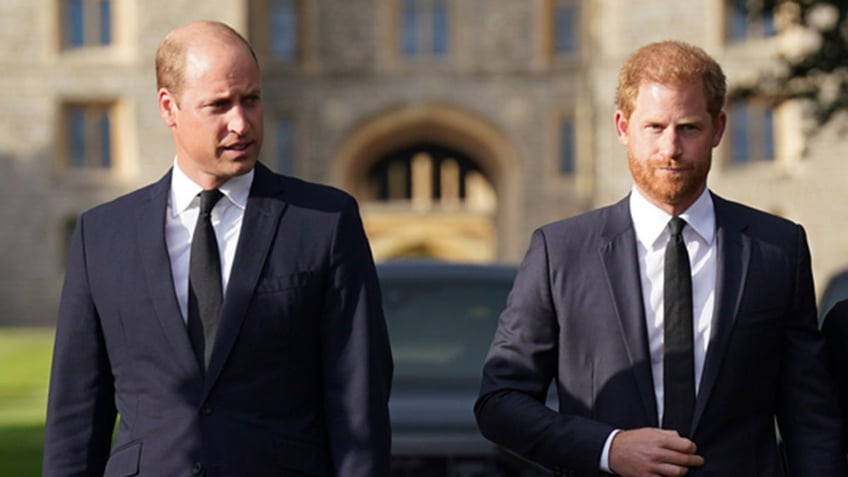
[
  {"x": 357, "y": 361},
  {"x": 808, "y": 413},
  {"x": 522, "y": 362},
  {"x": 80, "y": 410},
  {"x": 835, "y": 331}
]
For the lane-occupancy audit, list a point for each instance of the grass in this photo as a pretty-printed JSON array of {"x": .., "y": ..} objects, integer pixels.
[{"x": 24, "y": 369}]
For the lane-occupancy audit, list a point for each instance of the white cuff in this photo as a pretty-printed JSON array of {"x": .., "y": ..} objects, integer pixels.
[{"x": 605, "y": 453}]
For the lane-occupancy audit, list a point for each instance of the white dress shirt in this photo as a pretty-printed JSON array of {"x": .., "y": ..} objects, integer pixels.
[
  {"x": 180, "y": 219},
  {"x": 651, "y": 227}
]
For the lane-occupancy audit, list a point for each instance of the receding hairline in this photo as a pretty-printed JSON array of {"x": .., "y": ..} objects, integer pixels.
[{"x": 173, "y": 50}]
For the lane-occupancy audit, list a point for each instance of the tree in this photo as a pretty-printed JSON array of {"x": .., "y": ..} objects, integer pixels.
[{"x": 813, "y": 61}]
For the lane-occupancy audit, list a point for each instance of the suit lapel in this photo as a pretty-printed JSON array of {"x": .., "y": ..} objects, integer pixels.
[
  {"x": 733, "y": 254},
  {"x": 261, "y": 216},
  {"x": 619, "y": 255},
  {"x": 157, "y": 271}
]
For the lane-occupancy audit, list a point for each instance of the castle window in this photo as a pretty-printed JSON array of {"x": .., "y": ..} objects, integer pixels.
[
  {"x": 751, "y": 131},
  {"x": 86, "y": 23},
  {"x": 283, "y": 19},
  {"x": 284, "y": 137},
  {"x": 88, "y": 133},
  {"x": 424, "y": 28},
  {"x": 566, "y": 22},
  {"x": 567, "y": 147},
  {"x": 744, "y": 23}
]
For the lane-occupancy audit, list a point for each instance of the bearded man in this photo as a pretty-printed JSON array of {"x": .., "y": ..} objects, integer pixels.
[{"x": 676, "y": 326}]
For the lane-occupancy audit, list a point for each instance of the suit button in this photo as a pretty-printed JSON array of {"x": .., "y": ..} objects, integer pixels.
[
  {"x": 197, "y": 468},
  {"x": 206, "y": 410}
]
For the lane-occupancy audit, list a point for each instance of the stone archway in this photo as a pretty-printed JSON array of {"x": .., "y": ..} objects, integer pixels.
[{"x": 399, "y": 229}]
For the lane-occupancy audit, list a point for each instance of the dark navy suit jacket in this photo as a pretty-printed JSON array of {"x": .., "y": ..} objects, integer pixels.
[
  {"x": 835, "y": 330},
  {"x": 576, "y": 316},
  {"x": 300, "y": 373}
]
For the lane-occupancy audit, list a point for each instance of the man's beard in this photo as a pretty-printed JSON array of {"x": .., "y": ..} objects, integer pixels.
[{"x": 666, "y": 189}]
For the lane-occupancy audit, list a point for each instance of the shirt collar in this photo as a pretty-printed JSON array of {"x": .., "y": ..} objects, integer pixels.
[
  {"x": 650, "y": 222},
  {"x": 184, "y": 191}
]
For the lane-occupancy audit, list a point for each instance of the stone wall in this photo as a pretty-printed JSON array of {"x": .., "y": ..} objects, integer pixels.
[{"x": 499, "y": 75}]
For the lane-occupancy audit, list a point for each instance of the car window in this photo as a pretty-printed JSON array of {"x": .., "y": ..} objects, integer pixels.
[{"x": 441, "y": 329}]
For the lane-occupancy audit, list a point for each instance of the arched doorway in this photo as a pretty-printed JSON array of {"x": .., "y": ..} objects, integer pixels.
[
  {"x": 429, "y": 175},
  {"x": 432, "y": 181}
]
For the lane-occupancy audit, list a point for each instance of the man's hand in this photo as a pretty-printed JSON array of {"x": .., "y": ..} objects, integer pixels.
[{"x": 650, "y": 452}]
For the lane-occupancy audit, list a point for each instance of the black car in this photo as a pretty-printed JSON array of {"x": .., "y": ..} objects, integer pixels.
[{"x": 441, "y": 320}]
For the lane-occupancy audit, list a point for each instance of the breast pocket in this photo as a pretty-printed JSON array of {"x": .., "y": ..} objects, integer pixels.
[
  {"x": 756, "y": 340},
  {"x": 277, "y": 283},
  {"x": 762, "y": 317},
  {"x": 284, "y": 308}
]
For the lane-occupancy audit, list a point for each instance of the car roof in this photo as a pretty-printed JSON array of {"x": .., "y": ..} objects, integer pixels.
[{"x": 438, "y": 269}]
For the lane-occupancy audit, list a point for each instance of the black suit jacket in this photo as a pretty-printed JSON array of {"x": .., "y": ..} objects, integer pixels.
[
  {"x": 576, "y": 316},
  {"x": 300, "y": 373},
  {"x": 835, "y": 331}
]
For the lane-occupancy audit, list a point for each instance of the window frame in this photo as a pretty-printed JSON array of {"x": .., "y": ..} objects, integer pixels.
[
  {"x": 261, "y": 34},
  {"x": 276, "y": 153},
  {"x": 428, "y": 45},
  {"x": 98, "y": 151},
  {"x": 563, "y": 171},
  {"x": 741, "y": 26},
  {"x": 96, "y": 28},
  {"x": 758, "y": 131},
  {"x": 555, "y": 7}
]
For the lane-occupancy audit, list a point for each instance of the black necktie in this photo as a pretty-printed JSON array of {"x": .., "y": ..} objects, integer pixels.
[
  {"x": 679, "y": 357},
  {"x": 204, "y": 281}
]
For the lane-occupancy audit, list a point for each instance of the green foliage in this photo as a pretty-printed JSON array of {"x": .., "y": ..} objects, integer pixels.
[
  {"x": 20, "y": 450},
  {"x": 24, "y": 369},
  {"x": 813, "y": 63}
]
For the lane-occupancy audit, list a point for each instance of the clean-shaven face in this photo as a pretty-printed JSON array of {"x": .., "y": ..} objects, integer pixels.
[{"x": 217, "y": 118}]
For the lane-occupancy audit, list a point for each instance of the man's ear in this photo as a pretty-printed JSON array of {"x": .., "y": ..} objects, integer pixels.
[
  {"x": 167, "y": 107},
  {"x": 719, "y": 124},
  {"x": 621, "y": 126}
]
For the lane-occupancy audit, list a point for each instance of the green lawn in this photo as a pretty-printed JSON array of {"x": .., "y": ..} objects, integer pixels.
[{"x": 24, "y": 370}]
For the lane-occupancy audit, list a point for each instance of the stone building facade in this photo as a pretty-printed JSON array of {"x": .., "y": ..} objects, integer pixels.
[{"x": 459, "y": 125}]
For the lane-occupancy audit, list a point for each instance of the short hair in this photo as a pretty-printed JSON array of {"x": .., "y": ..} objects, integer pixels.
[
  {"x": 171, "y": 54},
  {"x": 671, "y": 62}
]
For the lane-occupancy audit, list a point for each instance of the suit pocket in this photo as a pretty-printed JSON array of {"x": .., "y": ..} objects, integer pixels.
[
  {"x": 770, "y": 317},
  {"x": 275, "y": 283},
  {"x": 124, "y": 460},
  {"x": 282, "y": 312}
]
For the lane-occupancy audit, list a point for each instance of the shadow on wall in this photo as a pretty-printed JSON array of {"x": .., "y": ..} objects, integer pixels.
[{"x": 30, "y": 263}]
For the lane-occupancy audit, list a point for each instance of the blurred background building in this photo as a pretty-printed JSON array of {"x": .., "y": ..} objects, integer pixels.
[{"x": 459, "y": 125}]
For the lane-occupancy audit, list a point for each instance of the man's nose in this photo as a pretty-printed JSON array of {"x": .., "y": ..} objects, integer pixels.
[
  {"x": 670, "y": 144},
  {"x": 237, "y": 121}
]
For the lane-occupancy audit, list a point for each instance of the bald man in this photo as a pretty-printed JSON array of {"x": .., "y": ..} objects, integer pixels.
[{"x": 229, "y": 315}]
